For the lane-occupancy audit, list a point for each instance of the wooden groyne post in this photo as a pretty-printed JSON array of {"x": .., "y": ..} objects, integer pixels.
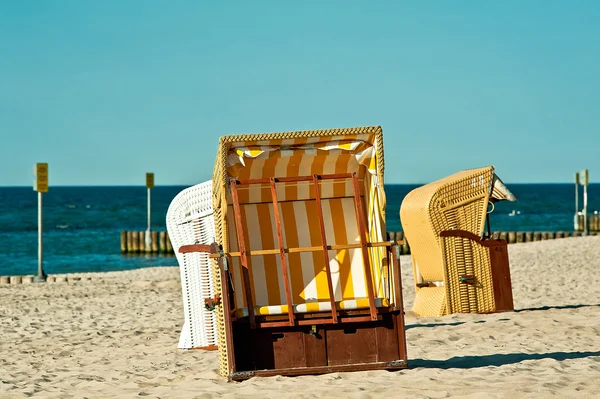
[{"x": 134, "y": 242}]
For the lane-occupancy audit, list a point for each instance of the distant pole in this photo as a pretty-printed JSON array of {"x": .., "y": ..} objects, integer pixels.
[
  {"x": 149, "y": 209},
  {"x": 149, "y": 186},
  {"x": 576, "y": 192},
  {"x": 40, "y": 273},
  {"x": 40, "y": 184},
  {"x": 576, "y": 218},
  {"x": 585, "y": 198}
]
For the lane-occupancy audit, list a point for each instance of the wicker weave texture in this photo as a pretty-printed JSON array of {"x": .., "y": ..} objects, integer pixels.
[
  {"x": 190, "y": 221},
  {"x": 430, "y": 301},
  {"x": 469, "y": 258},
  {"x": 457, "y": 202}
]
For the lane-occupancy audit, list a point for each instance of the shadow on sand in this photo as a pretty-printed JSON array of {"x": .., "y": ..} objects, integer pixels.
[
  {"x": 457, "y": 323},
  {"x": 430, "y": 325},
  {"x": 470, "y": 362},
  {"x": 557, "y": 307}
]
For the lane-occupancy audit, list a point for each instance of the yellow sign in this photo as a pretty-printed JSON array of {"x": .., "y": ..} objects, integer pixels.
[
  {"x": 150, "y": 180},
  {"x": 41, "y": 170},
  {"x": 40, "y": 184}
]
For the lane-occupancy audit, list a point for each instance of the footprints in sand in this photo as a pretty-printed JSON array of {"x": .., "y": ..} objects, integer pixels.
[{"x": 117, "y": 337}]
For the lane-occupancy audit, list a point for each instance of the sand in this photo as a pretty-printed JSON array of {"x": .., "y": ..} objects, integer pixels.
[{"x": 117, "y": 335}]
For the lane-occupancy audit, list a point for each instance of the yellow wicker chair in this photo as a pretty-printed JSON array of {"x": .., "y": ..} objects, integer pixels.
[
  {"x": 308, "y": 284},
  {"x": 455, "y": 268}
]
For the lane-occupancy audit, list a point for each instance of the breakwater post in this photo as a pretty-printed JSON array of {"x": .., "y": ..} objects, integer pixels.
[
  {"x": 134, "y": 242},
  {"x": 123, "y": 241},
  {"x": 162, "y": 241},
  {"x": 592, "y": 221},
  {"x": 515, "y": 237}
]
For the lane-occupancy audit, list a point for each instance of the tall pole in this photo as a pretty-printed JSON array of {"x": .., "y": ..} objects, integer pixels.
[
  {"x": 149, "y": 186},
  {"x": 40, "y": 272},
  {"x": 576, "y": 218},
  {"x": 148, "y": 237},
  {"x": 40, "y": 184},
  {"x": 585, "y": 218}
]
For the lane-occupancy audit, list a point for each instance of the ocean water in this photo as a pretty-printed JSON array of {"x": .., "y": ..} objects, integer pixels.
[{"x": 82, "y": 225}]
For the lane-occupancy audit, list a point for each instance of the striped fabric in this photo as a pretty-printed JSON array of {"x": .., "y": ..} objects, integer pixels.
[
  {"x": 300, "y": 225},
  {"x": 363, "y": 152},
  {"x": 351, "y": 304},
  {"x": 306, "y": 270},
  {"x": 297, "y": 157},
  {"x": 500, "y": 192}
]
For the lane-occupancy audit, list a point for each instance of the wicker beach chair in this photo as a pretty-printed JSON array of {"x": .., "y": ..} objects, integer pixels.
[
  {"x": 457, "y": 268},
  {"x": 308, "y": 284},
  {"x": 190, "y": 221}
]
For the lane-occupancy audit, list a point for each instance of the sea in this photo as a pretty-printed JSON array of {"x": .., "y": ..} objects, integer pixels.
[{"x": 82, "y": 225}]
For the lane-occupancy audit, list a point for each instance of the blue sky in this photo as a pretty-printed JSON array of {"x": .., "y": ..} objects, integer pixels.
[{"x": 105, "y": 91}]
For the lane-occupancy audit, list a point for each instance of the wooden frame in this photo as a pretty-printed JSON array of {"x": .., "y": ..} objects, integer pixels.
[
  {"x": 260, "y": 355},
  {"x": 317, "y": 342},
  {"x": 358, "y": 206}
]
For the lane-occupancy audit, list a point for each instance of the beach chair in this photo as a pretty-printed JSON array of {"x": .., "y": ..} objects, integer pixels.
[
  {"x": 308, "y": 284},
  {"x": 190, "y": 221},
  {"x": 457, "y": 268}
]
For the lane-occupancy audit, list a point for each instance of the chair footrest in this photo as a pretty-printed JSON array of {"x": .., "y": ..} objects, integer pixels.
[{"x": 310, "y": 307}]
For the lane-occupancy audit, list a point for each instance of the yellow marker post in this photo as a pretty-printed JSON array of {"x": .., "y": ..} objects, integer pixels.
[
  {"x": 149, "y": 186},
  {"x": 40, "y": 184}
]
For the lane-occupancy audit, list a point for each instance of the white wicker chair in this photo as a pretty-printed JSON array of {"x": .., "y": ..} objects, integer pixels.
[{"x": 190, "y": 221}]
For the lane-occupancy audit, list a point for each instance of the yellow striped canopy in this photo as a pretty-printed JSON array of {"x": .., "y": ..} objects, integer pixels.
[{"x": 299, "y": 154}]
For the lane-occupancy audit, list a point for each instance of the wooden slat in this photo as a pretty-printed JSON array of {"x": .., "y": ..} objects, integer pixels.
[
  {"x": 206, "y": 348},
  {"x": 362, "y": 230},
  {"x": 244, "y": 375},
  {"x": 347, "y": 314},
  {"x": 334, "y": 315},
  {"x": 184, "y": 249},
  {"x": 284, "y": 267},
  {"x": 394, "y": 254},
  {"x": 227, "y": 312},
  {"x": 258, "y": 200},
  {"x": 242, "y": 246},
  {"x": 312, "y": 249},
  {"x": 267, "y": 180},
  {"x": 470, "y": 236},
  {"x": 310, "y": 322}
]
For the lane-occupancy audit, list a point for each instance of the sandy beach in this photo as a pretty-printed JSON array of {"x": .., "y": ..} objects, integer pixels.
[{"x": 116, "y": 335}]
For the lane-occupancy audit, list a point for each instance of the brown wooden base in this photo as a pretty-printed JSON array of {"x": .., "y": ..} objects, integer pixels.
[
  {"x": 317, "y": 349},
  {"x": 503, "y": 297},
  {"x": 243, "y": 375}
]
